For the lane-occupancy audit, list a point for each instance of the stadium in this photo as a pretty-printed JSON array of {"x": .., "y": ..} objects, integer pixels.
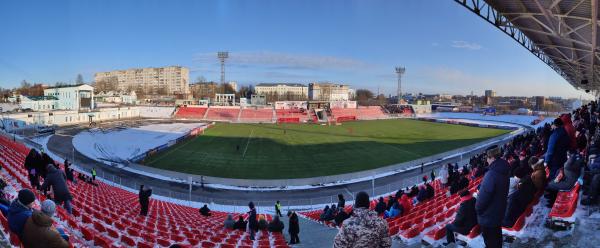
[{"x": 146, "y": 175}]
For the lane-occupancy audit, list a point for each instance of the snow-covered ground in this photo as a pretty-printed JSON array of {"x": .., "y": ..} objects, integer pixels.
[
  {"x": 517, "y": 119},
  {"x": 156, "y": 112},
  {"x": 125, "y": 144}
]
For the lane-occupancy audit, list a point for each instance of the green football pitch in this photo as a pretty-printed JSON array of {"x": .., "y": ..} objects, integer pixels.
[{"x": 270, "y": 151}]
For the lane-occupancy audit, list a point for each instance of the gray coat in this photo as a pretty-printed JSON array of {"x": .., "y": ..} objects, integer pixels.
[
  {"x": 57, "y": 179},
  {"x": 571, "y": 173}
]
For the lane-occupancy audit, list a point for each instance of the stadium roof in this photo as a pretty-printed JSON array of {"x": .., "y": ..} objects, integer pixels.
[{"x": 562, "y": 33}]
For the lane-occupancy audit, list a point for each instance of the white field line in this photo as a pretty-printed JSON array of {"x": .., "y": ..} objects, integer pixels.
[{"x": 247, "y": 143}]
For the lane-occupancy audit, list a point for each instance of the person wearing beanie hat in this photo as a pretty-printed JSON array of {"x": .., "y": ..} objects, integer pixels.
[
  {"x": 19, "y": 211},
  {"x": 491, "y": 199},
  {"x": 48, "y": 207},
  {"x": 39, "y": 232},
  {"x": 520, "y": 198},
  {"x": 364, "y": 228},
  {"x": 558, "y": 144},
  {"x": 465, "y": 220}
]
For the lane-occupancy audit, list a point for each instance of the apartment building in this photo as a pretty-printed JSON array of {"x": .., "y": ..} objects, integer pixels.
[{"x": 168, "y": 80}]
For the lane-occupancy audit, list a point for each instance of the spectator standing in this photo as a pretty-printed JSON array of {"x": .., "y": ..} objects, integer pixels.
[
  {"x": 93, "y": 174},
  {"x": 19, "y": 211},
  {"x": 294, "y": 228},
  {"x": 278, "y": 209},
  {"x": 144, "y": 197},
  {"x": 492, "y": 197},
  {"x": 341, "y": 201},
  {"x": 58, "y": 180},
  {"x": 558, "y": 144},
  {"x": 252, "y": 221},
  {"x": 443, "y": 174},
  {"x": 364, "y": 228},
  {"x": 39, "y": 232},
  {"x": 229, "y": 222},
  {"x": 465, "y": 220}
]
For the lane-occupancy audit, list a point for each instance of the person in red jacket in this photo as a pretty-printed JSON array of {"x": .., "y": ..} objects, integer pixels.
[
  {"x": 406, "y": 204},
  {"x": 568, "y": 126}
]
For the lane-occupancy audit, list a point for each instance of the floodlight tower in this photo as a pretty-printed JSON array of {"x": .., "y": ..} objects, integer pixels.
[
  {"x": 222, "y": 56},
  {"x": 400, "y": 71}
]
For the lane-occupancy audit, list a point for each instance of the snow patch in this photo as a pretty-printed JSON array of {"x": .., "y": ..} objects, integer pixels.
[{"x": 125, "y": 144}]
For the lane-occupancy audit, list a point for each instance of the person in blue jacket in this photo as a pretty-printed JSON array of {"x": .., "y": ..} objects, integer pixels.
[
  {"x": 19, "y": 211},
  {"x": 558, "y": 144},
  {"x": 491, "y": 199}
]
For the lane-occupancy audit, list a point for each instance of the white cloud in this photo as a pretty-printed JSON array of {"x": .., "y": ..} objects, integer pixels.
[
  {"x": 465, "y": 45},
  {"x": 285, "y": 60}
]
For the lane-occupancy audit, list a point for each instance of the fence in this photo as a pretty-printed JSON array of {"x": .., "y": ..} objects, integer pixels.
[{"x": 190, "y": 195}]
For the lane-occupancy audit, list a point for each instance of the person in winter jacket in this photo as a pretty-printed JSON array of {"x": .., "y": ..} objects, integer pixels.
[
  {"x": 570, "y": 130},
  {"x": 406, "y": 204},
  {"x": 229, "y": 222},
  {"x": 518, "y": 201},
  {"x": 205, "y": 211},
  {"x": 341, "y": 201},
  {"x": 558, "y": 144},
  {"x": 394, "y": 212},
  {"x": 262, "y": 223},
  {"x": 294, "y": 228},
  {"x": 390, "y": 202},
  {"x": 278, "y": 209},
  {"x": 492, "y": 197},
  {"x": 39, "y": 232},
  {"x": 58, "y": 181},
  {"x": 465, "y": 220},
  {"x": 538, "y": 177},
  {"x": 364, "y": 228},
  {"x": 423, "y": 194},
  {"x": 240, "y": 224},
  {"x": 19, "y": 211},
  {"x": 380, "y": 208},
  {"x": 341, "y": 217},
  {"x": 32, "y": 162},
  {"x": 144, "y": 198},
  {"x": 570, "y": 172},
  {"x": 69, "y": 171},
  {"x": 324, "y": 213},
  {"x": 460, "y": 183},
  {"x": 430, "y": 191},
  {"x": 276, "y": 225},
  {"x": 443, "y": 174},
  {"x": 252, "y": 221}
]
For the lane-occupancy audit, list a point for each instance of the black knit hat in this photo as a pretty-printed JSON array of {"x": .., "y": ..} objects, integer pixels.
[
  {"x": 362, "y": 200},
  {"x": 26, "y": 197},
  {"x": 557, "y": 122}
]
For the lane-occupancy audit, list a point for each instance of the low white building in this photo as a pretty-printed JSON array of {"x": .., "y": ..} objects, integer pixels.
[
  {"x": 117, "y": 97},
  {"x": 72, "y": 97},
  {"x": 39, "y": 103},
  {"x": 282, "y": 89}
]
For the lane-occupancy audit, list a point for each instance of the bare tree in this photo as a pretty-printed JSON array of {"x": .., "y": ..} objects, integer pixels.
[{"x": 79, "y": 79}]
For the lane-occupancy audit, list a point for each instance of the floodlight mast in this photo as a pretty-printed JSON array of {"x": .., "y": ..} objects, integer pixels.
[
  {"x": 400, "y": 71},
  {"x": 222, "y": 57}
]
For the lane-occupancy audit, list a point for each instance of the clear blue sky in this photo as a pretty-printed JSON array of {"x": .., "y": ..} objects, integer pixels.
[{"x": 444, "y": 47}]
